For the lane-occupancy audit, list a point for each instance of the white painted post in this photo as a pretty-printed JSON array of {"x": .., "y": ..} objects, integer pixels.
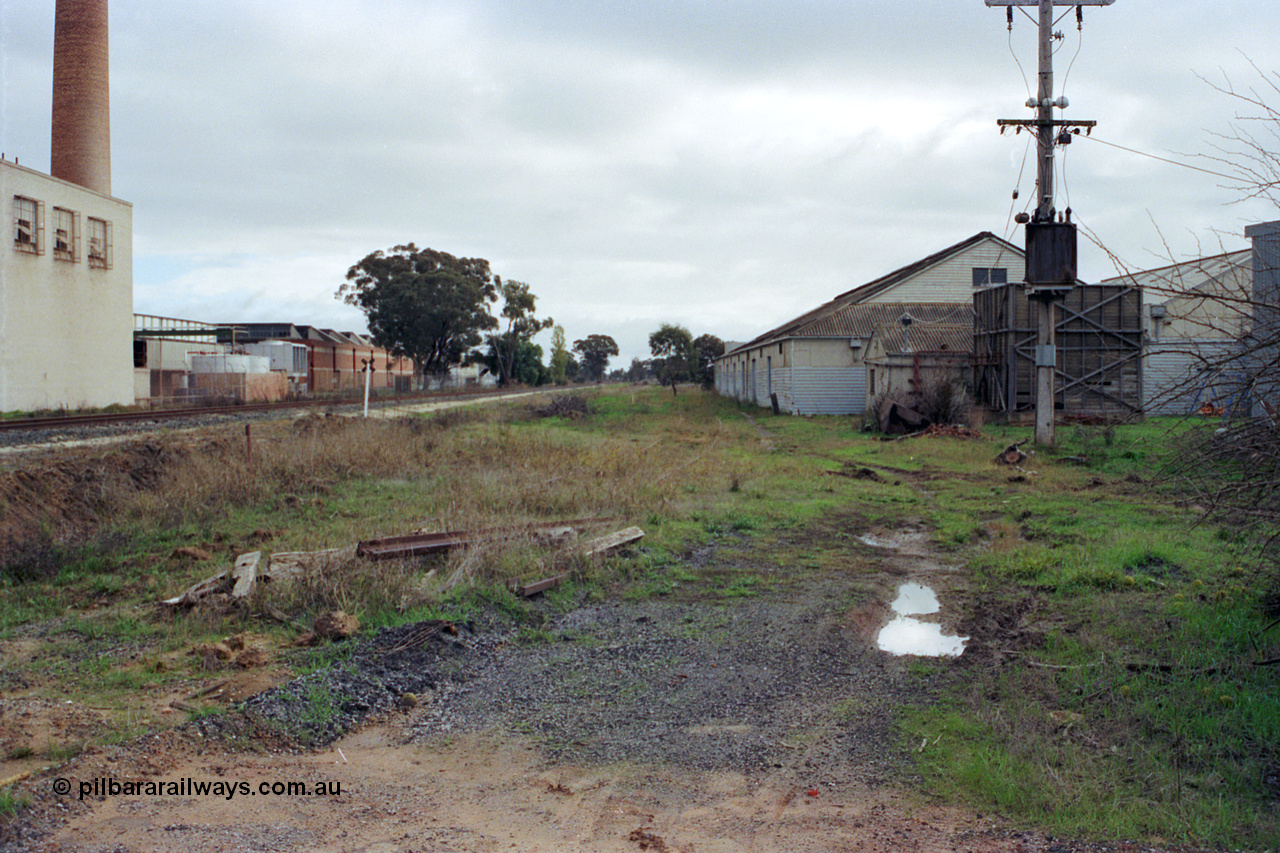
[{"x": 368, "y": 376}]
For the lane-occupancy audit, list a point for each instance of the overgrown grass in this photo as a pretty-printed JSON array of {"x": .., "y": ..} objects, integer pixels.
[
  {"x": 1142, "y": 711},
  {"x": 1125, "y": 701}
]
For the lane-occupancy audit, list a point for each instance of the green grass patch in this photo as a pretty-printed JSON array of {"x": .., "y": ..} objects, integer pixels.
[
  {"x": 1127, "y": 703},
  {"x": 12, "y": 803}
]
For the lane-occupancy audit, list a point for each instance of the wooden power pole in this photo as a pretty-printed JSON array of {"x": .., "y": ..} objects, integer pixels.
[{"x": 1051, "y": 238}]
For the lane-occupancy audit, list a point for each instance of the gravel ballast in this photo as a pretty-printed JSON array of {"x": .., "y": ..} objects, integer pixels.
[{"x": 776, "y": 680}]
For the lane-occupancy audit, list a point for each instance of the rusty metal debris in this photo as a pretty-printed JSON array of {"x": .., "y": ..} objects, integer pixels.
[
  {"x": 421, "y": 543},
  {"x": 425, "y": 631},
  {"x": 526, "y": 590},
  {"x": 242, "y": 579}
]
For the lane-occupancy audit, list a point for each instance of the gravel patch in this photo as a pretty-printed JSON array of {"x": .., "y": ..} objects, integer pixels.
[
  {"x": 779, "y": 680},
  {"x": 15, "y": 441},
  {"x": 737, "y": 685}
]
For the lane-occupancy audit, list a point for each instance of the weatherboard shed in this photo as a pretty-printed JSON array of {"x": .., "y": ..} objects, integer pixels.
[{"x": 816, "y": 363}]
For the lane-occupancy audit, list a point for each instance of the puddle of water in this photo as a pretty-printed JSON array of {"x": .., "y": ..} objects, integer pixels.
[
  {"x": 911, "y": 542},
  {"x": 906, "y": 635},
  {"x": 915, "y": 599}
]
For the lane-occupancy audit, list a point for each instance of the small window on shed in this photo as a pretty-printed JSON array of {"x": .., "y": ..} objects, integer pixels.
[{"x": 988, "y": 276}]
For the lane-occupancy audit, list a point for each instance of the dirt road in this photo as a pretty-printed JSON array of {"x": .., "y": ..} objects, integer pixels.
[
  {"x": 689, "y": 721},
  {"x": 491, "y": 792}
]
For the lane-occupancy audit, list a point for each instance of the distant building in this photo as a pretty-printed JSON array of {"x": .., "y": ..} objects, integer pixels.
[
  {"x": 162, "y": 351},
  {"x": 66, "y": 277},
  {"x": 66, "y": 295},
  {"x": 1195, "y": 314},
  {"x": 817, "y": 363},
  {"x": 334, "y": 361},
  {"x": 1212, "y": 340}
]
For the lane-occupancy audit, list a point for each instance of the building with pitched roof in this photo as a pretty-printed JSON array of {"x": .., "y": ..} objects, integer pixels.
[
  {"x": 1195, "y": 315},
  {"x": 906, "y": 360},
  {"x": 816, "y": 363}
]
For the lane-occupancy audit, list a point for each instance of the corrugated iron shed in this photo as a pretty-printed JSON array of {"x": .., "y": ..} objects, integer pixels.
[{"x": 849, "y": 314}]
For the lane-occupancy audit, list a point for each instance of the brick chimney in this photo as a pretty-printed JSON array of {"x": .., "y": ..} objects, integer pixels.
[{"x": 81, "y": 95}]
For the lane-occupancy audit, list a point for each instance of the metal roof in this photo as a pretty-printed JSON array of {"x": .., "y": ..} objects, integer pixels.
[
  {"x": 849, "y": 315},
  {"x": 860, "y": 320},
  {"x": 926, "y": 337},
  {"x": 1234, "y": 270}
]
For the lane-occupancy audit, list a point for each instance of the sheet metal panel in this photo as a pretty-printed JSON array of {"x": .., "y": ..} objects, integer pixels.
[
  {"x": 829, "y": 390},
  {"x": 1181, "y": 376}
]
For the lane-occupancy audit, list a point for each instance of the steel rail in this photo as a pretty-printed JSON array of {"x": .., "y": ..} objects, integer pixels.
[{"x": 108, "y": 418}]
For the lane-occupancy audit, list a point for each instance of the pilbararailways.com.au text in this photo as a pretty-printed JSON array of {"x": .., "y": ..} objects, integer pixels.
[{"x": 188, "y": 787}]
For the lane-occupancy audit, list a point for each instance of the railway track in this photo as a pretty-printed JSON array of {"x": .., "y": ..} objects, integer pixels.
[
  {"x": 33, "y": 433},
  {"x": 150, "y": 415},
  {"x": 54, "y": 422}
]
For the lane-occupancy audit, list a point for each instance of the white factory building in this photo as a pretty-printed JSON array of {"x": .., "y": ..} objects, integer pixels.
[{"x": 66, "y": 271}]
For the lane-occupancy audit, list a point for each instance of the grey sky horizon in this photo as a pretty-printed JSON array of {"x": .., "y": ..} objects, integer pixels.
[{"x": 724, "y": 166}]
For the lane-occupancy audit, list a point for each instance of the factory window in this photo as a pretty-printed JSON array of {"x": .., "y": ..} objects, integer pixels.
[
  {"x": 29, "y": 225},
  {"x": 987, "y": 276},
  {"x": 66, "y": 236},
  {"x": 99, "y": 243}
]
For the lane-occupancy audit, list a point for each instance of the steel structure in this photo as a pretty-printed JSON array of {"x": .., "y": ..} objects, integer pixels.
[{"x": 1098, "y": 358}]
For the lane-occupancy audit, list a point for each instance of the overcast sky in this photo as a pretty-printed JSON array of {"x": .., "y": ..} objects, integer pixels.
[{"x": 722, "y": 165}]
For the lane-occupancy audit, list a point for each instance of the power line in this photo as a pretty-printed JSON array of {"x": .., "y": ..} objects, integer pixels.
[
  {"x": 1079, "y": 45},
  {"x": 1026, "y": 84},
  {"x": 1163, "y": 159},
  {"x": 1008, "y": 223}
]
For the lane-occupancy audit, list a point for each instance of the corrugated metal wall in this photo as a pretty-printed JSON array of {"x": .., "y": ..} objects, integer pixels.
[
  {"x": 1181, "y": 376},
  {"x": 782, "y": 386},
  {"x": 1265, "y": 371},
  {"x": 829, "y": 390},
  {"x": 805, "y": 390}
]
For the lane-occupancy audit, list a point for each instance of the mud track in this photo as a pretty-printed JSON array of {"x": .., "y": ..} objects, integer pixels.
[{"x": 692, "y": 722}]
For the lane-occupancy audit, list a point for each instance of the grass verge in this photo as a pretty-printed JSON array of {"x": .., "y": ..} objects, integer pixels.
[{"x": 1112, "y": 688}]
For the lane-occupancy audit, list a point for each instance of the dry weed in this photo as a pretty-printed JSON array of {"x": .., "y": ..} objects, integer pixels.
[
  {"x": 462, "y": 471},
  {"x": 352, "y": 585}
]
